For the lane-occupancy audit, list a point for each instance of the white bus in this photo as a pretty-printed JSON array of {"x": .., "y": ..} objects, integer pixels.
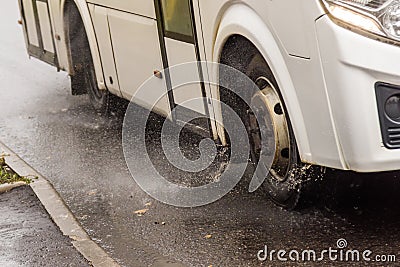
[{"x": 330, "y": 68}]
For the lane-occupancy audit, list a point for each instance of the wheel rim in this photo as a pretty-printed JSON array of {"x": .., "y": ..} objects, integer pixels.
[{"x": 266, "y": 104}]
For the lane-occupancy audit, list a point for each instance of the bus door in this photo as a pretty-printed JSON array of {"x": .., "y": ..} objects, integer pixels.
[
  {"x": 38, "y": 31},
  {"x": 179, "y": 44}
]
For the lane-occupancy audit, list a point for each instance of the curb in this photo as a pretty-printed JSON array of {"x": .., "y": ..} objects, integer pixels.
[{"x": 58, "y": 211}]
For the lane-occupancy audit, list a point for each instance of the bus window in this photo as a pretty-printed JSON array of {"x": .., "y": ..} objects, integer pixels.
[{"x": 177, "y": 19}]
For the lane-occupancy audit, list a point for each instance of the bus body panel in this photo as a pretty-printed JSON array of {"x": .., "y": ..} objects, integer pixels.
[
  {"x": 30, "y": 30},
  {"x": 181, "y": 53},
  {"x": 56, "y": 17},
  {"x": 143, "y": 8},
  {"x": 137, "y": 55},
  {"x": 205, "y": 69},
  {"x": 44, "y": 21},
  {"x": 36, "y": 20},
  {"x": 102, "y": 29},
  {"x": 353, "y": 74}
]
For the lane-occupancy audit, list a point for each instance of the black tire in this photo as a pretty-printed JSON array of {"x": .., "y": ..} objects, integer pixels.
[
  {"x": 100, "y": 99},
  {"x": 285, "y": 182},
  {"x": 84, "y": 77}
]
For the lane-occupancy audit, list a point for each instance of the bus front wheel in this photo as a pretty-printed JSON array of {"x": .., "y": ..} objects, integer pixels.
[{"x": 286, "y": 179}]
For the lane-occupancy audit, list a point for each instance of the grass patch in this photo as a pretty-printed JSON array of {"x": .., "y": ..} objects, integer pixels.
[{"x": 9, "y": 176}]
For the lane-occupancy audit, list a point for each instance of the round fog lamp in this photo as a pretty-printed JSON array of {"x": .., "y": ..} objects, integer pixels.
[{"x": 392, "y": 107}]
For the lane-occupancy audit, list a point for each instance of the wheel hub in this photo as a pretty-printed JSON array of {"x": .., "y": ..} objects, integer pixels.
[{"x": 270, "y": 133}]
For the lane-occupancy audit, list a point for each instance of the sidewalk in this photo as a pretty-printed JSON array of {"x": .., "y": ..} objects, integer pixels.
[
  {"x": 29, "y": 237},
  {"x": 35, "y": 223}
]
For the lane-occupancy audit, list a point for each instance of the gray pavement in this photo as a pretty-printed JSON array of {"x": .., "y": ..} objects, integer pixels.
[
  {"x": 81, "y": 154},
  {"x": 28, "y": 236}
]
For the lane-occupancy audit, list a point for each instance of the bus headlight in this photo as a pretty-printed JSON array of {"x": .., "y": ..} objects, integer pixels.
[
  {"x": 391, "y": 20},
  {"x": 379, "y": 17}
]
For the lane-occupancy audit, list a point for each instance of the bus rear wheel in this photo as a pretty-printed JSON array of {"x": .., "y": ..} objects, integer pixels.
[
  {"x": 100, "y": 99},
  {"x": 83, "y": 79},
  {"x": 285, "y": 180}
]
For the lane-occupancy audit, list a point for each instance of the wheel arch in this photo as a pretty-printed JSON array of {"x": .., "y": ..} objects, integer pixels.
[
  {"x": 83, "y": 10},
  {"x": 261, "y": 37}
]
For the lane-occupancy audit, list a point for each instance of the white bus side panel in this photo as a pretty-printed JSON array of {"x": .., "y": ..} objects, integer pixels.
[
  {"x": 30, "y": 22},
  {"x": 100, "y": 22},
  {"x": 137, "y": 54},
  {"x": 45, "y": 26},
  {"x": 180, "y": 53},
  {"x": 139, "y": 7}
]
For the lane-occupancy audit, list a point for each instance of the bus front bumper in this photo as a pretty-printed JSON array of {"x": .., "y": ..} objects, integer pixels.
[{"x": 352, "y": 65}]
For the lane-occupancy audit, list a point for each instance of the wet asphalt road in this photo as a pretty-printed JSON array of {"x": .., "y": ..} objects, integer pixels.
[
  {"x": 80, "y": 152},
  {"x": 28, "y": 236}
]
